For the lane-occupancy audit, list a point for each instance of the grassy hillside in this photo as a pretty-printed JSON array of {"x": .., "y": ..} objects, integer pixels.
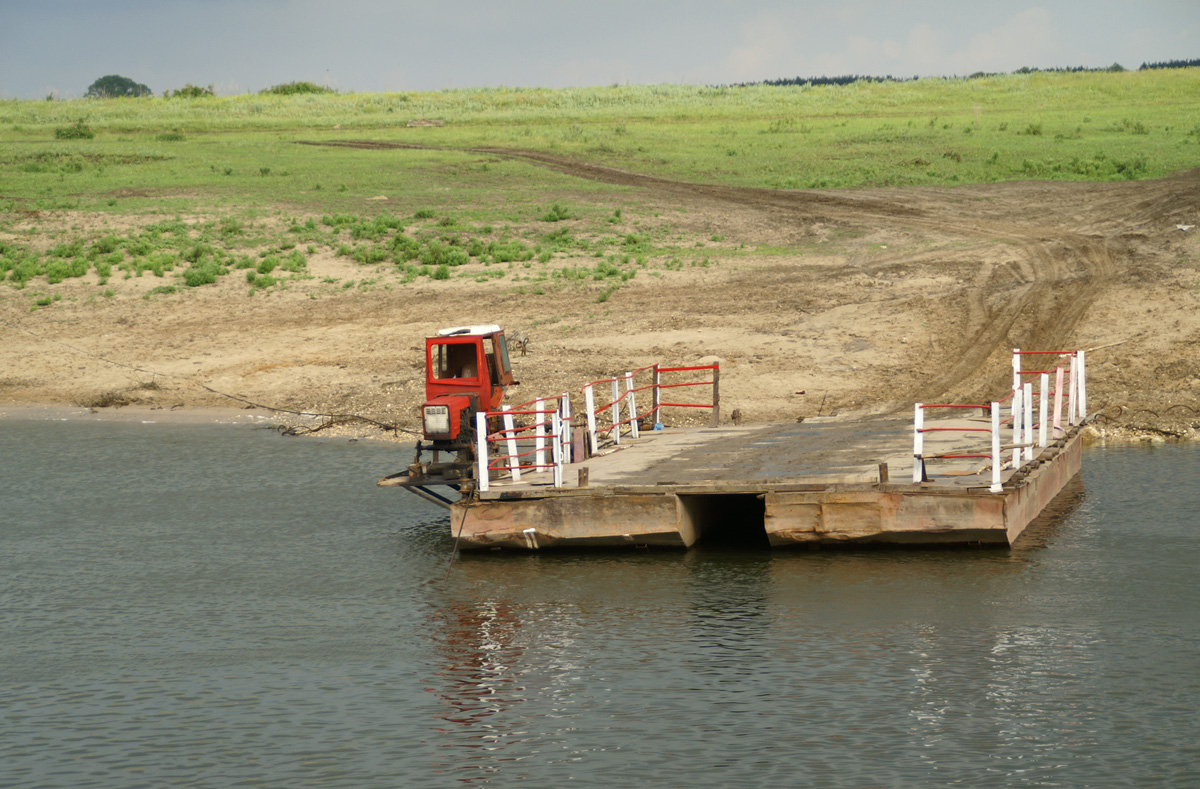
[{"x": 193, "y": 189}]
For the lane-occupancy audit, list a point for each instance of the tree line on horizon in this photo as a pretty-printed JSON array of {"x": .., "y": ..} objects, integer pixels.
[
  {"x": 115, "y": 86},
  {"x": 849, "y": 79}
]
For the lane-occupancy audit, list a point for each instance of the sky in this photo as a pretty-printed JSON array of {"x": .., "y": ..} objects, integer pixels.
[{"x": 59, "y": 47}]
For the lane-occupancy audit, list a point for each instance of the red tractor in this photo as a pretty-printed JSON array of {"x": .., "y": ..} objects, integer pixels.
[{"x": 466, "y": 371}]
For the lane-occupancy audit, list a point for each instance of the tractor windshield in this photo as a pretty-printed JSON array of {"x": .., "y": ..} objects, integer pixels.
[{"x": 456, "y": 360}]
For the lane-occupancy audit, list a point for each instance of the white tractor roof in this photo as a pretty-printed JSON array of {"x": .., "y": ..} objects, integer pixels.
[{"x": 453, "y": 331}]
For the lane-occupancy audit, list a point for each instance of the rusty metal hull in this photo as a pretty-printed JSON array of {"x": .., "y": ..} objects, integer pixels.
[{"x": 673, "y": 515}]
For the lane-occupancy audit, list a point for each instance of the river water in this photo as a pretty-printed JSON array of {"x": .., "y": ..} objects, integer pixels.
[{"x": 216, "y": 606}]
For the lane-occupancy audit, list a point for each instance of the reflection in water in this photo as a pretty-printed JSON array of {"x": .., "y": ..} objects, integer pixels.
[
  {"x": 478, "y": 684},
  {"x": 291, "y": 626}
]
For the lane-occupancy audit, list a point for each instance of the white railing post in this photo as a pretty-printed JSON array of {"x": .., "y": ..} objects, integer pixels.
[
  {"x": 1016, "y": 428},
  {"x": 1044, "y": 383},
  {"x": 997, "y": 461},
  {"x": 631, "y": 408},
  {"x": 1016, "y": 367},
  {"x": 1082, "y": 389},
  {"x": 557, "y": 451},
  {"x": 514, "y": 462},
  {"x": 589, "y": 404},
  {"x": 1027, "y": 432},
  {"x": 481, "y": 449},
  {"x": 656, "y": 400},
  {"x": 565, "y": 415},
  {"x": 539, "y": 434},
  {"x": 1073, "y": 393},
  {"x": 1058, "y": 401},
  {"x": 918, "y": 444},
  {"x": 616, "y": 411}
]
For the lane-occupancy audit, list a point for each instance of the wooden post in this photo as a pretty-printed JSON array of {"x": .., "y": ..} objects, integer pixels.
[
  {"x": 716, "y": 411},
  {"x": 583, "y": 477},
  {"x": 481, "y": 449},
  {"x": 883, "y": 473},
  {"x": 578, "y": 445}
]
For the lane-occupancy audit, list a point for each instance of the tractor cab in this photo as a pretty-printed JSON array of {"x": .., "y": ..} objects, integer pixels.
[{"x": 466, "y": 371}]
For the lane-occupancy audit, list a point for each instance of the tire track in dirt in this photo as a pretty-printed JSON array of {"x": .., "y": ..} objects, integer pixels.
[{"x": 1066, "y": 241}]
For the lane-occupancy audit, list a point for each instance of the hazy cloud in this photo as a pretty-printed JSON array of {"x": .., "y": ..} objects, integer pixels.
[{"x": 380, "y": 45}]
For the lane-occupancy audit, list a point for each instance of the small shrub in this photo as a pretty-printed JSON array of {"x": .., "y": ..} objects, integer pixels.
[
  {"x": 190, "y": 91},
  {"x": 204, "y": 274},
  {"x": 76, "y": 131},
  {"x": 295, "y": 89},
  {"x": 441, "y": 272},
  {"x": 557, "y": 213}
]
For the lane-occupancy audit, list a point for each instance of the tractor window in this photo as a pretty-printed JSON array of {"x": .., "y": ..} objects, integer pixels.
[{"x": 457, "y": 360}]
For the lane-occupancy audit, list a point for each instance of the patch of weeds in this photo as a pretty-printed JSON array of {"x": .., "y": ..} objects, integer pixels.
[
  {"x": 157, "y": 263},
  {"x": 112, "y": 399},
  {"x": 490, "y": 274},
  {"x": 45, "y": 300},
  {"x": 170, "y": 137},
  {"x": 440, "y": 254},
  {"x": 338, "y": 221},
  {"x": 441, "y": 272},
  {"x": 557, "y": 213},
  {"x": 370, "y": 254},
  {"x": 76, "y": 131},
  {"x": 376, "y": 229},
  {"x": 259, "y": 281},
  {"x": 161, "y": 290},
  {"x": 424, "y": 213},
  {"x": 295, "y": 262},
  {"x": 404, "y": 248},
  {"x": 205, "y": 273}
]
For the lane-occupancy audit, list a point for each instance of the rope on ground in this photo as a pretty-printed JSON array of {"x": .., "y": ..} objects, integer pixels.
[{"x": 332, "y": 419}]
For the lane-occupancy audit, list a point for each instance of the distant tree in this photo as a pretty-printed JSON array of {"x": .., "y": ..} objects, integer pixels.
[
  {"x": 115, "y": 86},
  {"x": 190, "y": 91},
  {"x": 1115, "y": 67},
  {"x": 294, "y": 88}
]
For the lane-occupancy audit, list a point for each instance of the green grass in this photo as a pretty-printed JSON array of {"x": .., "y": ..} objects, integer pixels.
[{"x": 253, "y": 197}]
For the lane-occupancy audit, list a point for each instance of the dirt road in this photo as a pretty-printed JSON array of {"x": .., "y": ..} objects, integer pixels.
[{"x": 881, "y": 297}]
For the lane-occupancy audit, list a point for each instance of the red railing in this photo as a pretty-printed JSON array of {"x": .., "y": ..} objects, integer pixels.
[
  {"x": 1021, "y": 417},
  {"x": 627, "y": 401},
  {"x": 533, "y": 436}
]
